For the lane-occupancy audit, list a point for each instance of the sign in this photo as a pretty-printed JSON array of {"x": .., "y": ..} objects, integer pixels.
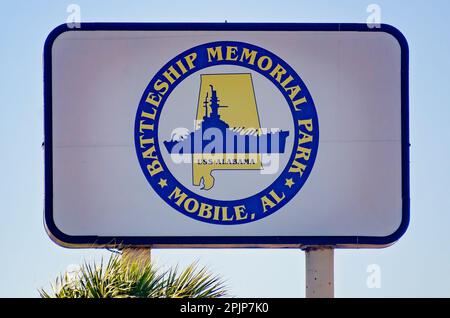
[{"x": 207, "y": 135}]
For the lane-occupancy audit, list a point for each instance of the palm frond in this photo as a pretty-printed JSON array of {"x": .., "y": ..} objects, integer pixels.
[{"x": 121, "y": 277}]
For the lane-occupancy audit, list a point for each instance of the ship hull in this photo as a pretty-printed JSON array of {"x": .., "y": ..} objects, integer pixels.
[{"x": 200, "y": 142}]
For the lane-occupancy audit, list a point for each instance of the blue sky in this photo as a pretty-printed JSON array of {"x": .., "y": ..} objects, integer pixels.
[{"x": 418, "y": 265}]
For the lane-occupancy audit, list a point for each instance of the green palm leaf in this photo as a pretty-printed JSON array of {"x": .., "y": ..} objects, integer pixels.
[{"x": 125, "y": 278}]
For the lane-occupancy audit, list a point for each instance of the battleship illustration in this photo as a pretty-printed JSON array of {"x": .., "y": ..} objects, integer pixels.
[{"x": 237, "y": 140}]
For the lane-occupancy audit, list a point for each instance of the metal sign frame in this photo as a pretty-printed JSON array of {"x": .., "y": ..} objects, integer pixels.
[{"x": 224, "y": 241}]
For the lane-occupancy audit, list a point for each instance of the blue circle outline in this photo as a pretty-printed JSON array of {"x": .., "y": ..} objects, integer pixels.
[{"x": 252, "y": 202}]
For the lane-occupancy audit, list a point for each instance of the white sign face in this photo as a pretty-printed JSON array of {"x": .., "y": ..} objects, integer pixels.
[{"x": 226, "y": 135}]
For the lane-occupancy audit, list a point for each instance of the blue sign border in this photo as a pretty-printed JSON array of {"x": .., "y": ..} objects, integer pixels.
[{"x": 66, "y": 240}]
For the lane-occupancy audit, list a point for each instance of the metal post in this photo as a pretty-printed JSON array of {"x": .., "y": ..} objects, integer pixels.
[
  {"x": 140, "y": 255},
  {"x": 319, "y": 272}
]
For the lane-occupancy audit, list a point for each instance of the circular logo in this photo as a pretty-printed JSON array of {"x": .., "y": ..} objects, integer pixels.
[{"x": 252, "y": 140}]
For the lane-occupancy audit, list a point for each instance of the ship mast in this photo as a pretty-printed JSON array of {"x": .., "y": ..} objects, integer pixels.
[
  {"x": 205, "y": 104},
  {"x": 215, "y": 104}
]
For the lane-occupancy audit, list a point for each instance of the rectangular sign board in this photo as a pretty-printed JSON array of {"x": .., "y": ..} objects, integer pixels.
[{"x": 226, "y": 135}]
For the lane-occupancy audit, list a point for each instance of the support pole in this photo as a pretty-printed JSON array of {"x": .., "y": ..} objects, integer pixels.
[
  {"x": 319, "y": 272},
  {"x": 140, "y": 255}
]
